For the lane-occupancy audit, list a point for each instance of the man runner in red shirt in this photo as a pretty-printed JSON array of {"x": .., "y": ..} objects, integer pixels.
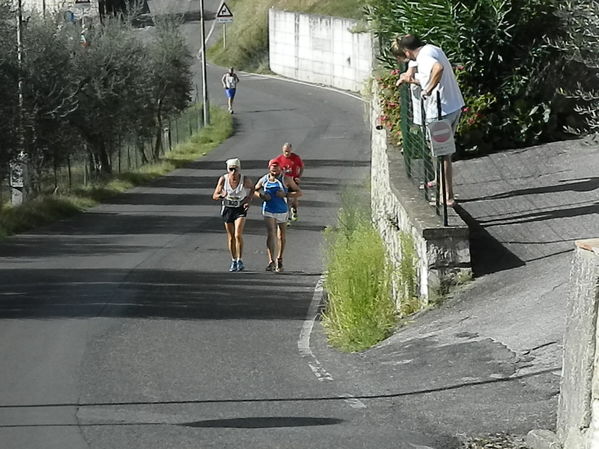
[{"x": 293, "y": 167}]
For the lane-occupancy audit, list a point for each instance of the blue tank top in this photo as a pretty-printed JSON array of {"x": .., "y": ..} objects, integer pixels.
[{"x": 275, "y": 205}]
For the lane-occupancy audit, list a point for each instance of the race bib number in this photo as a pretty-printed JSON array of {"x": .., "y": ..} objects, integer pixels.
[{"x": 232, "y": 202}]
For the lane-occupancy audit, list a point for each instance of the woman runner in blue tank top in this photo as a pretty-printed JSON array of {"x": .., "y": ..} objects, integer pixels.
[{"x": 274, "y": 188}]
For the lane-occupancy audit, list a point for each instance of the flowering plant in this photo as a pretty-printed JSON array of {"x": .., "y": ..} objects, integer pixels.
[{"x": 390, "y": 101}]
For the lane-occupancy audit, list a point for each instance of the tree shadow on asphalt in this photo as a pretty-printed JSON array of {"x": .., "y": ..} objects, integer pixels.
[
  {"x": 154, "y": 294},
  {"x": 564, "y": 185}
]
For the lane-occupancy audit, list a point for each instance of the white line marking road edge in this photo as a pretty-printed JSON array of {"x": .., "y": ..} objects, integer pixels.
[{"x": 303, "y": 345}]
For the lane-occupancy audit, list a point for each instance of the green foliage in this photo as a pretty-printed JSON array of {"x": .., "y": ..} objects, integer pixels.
[
  {"x": 580, "y": 52},
  {"x": 360, "y": 310},
  {"x": 512, "y": 73},
  {"x": 82, "y": 101},
  {"x": 247, "y": 36},
  {"x": 390, "y": 104},
  {"x": 8, "y": 82},
  {"x": 47, "y": 208},
  {"x": 407, "y": 276}
]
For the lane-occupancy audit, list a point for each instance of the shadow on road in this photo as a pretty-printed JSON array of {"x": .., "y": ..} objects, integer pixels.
[
  {"x": 185, "y": 295},
  {"x": 487, "y": 254}
]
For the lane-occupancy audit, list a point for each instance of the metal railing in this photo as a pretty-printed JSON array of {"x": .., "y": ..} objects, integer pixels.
[{"x": 421, "y": 166}]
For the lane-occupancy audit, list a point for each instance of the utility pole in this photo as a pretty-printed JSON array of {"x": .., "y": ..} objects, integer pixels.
[
  {"x": 204, "y": 82},
  {"x": 18, "y": 168}
]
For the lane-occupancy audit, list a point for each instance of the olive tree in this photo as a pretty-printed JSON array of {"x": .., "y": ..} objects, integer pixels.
[{"x": 113, "y": 74}]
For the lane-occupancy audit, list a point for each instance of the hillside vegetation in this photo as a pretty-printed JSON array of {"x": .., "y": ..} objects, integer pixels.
[{"x": 247, "y": 36}]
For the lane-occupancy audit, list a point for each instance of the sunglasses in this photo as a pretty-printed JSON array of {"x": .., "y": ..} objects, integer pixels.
[{"x": 232, "y": 168}]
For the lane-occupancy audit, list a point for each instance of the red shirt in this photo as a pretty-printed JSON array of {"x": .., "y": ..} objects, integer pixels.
[{"x": 291, "y": 165}]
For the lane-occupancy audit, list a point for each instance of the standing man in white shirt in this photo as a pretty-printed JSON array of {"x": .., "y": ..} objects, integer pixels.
[
  {"x": 432, "y": 71},
  {"x": 230, "y": 80}
]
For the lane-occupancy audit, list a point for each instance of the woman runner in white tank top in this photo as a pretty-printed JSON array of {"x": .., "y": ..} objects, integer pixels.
[{"x": 235, "y": 191}]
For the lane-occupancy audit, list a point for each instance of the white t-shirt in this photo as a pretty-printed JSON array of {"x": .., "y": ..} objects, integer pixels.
[
  {"x": 451, "y": 96},
  {"x": 230, "y": 81}
]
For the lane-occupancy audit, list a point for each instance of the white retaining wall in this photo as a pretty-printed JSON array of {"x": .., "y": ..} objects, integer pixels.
[
  {"x": 319, "y": 49},
  {"x": 79, "y": 9}
]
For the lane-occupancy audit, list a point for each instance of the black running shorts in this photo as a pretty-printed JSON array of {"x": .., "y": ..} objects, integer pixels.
[{"x": 230, "y": 214}]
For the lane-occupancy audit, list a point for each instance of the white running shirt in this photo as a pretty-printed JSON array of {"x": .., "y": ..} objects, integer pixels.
[
  {"x": 235, "y": 196},
  {"x": 230, "y": 81}
]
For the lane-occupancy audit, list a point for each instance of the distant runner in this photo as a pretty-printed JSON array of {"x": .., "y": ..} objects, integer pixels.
[
  {"x": 230, "y": 80},
  {"x": 236, "y": 192},
  {"x": 293, "y": 167},
  {"x": 274, "y": 189}
]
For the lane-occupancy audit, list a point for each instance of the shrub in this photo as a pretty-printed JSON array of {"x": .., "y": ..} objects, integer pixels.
[{"x": 513, "y": 68}]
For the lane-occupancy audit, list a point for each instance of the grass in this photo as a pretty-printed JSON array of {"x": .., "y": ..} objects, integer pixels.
[
  {"x": 360, "y": 310},
  {"x": 407, "y": 277},
  {"x": 247, "y": 36},
  {"x": 49, "y": 208}
]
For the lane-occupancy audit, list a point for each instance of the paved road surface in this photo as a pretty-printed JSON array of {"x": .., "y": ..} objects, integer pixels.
[{"x": 121, "y": 327}]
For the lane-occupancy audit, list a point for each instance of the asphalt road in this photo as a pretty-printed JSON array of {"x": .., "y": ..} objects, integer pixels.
[{"x": 122, "y": 328}]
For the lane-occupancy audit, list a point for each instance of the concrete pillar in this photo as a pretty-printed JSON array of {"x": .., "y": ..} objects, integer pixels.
[
  {"x": 579, "y": 376},
  {"x": 578, "y": 406}
]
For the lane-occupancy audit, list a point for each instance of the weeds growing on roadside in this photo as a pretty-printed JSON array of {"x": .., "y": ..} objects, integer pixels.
[
  {"x": 407, "y": 277},
  {"x": 360, "y": 310},
  {"x": 48, "y": 208}
]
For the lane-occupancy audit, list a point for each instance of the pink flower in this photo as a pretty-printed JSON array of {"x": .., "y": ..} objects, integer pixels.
[
  {"x": 394, "y": 72},
  {"x": 466, "y": 109}
]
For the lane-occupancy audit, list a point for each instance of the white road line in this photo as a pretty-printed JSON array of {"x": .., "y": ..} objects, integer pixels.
[
  {"x": 303, "y": 344},
  {"x": 199, "y": 55}
]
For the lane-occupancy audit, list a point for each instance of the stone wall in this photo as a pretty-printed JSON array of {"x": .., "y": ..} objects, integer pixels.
[
  {"x": 319, "y": 49},
  {"x": 397, "y": 206}
]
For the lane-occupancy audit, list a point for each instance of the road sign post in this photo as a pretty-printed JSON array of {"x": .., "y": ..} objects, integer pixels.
[
  {"x": 224, "y": 16},
  {"x": 206, "y": 105}
]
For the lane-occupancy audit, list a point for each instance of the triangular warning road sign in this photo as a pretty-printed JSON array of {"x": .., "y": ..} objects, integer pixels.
[{"x": 224, "y": 11}]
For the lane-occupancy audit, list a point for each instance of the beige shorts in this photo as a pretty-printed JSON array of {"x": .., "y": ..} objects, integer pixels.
[{"x": 280, "y": 218}]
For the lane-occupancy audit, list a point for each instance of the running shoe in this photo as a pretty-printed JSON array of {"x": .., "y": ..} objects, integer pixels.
[
  {"x": 240, "y": 265},
  {"x": 233, "y": 266},
  {"x": 279, "y": 268},
  {"x": 294, "y": 216},
  {"x": 271, "y": 266}
]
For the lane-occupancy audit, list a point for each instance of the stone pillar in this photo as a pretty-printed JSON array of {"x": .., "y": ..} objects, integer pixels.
[
  {"x": 579, "y": 393},
  {"x": 578, "y": 406}
]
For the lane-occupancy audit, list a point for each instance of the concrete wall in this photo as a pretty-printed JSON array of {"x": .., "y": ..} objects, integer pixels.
[
  {"x": 319, "y": 49},
  {"x": 578, "y": 406},
  {"x": 79, "y": 9},
  {"x": 397, "y": 206}
]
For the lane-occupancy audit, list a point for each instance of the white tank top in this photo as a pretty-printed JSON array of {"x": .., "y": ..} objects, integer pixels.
[{"x": 236, "y": 195}]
